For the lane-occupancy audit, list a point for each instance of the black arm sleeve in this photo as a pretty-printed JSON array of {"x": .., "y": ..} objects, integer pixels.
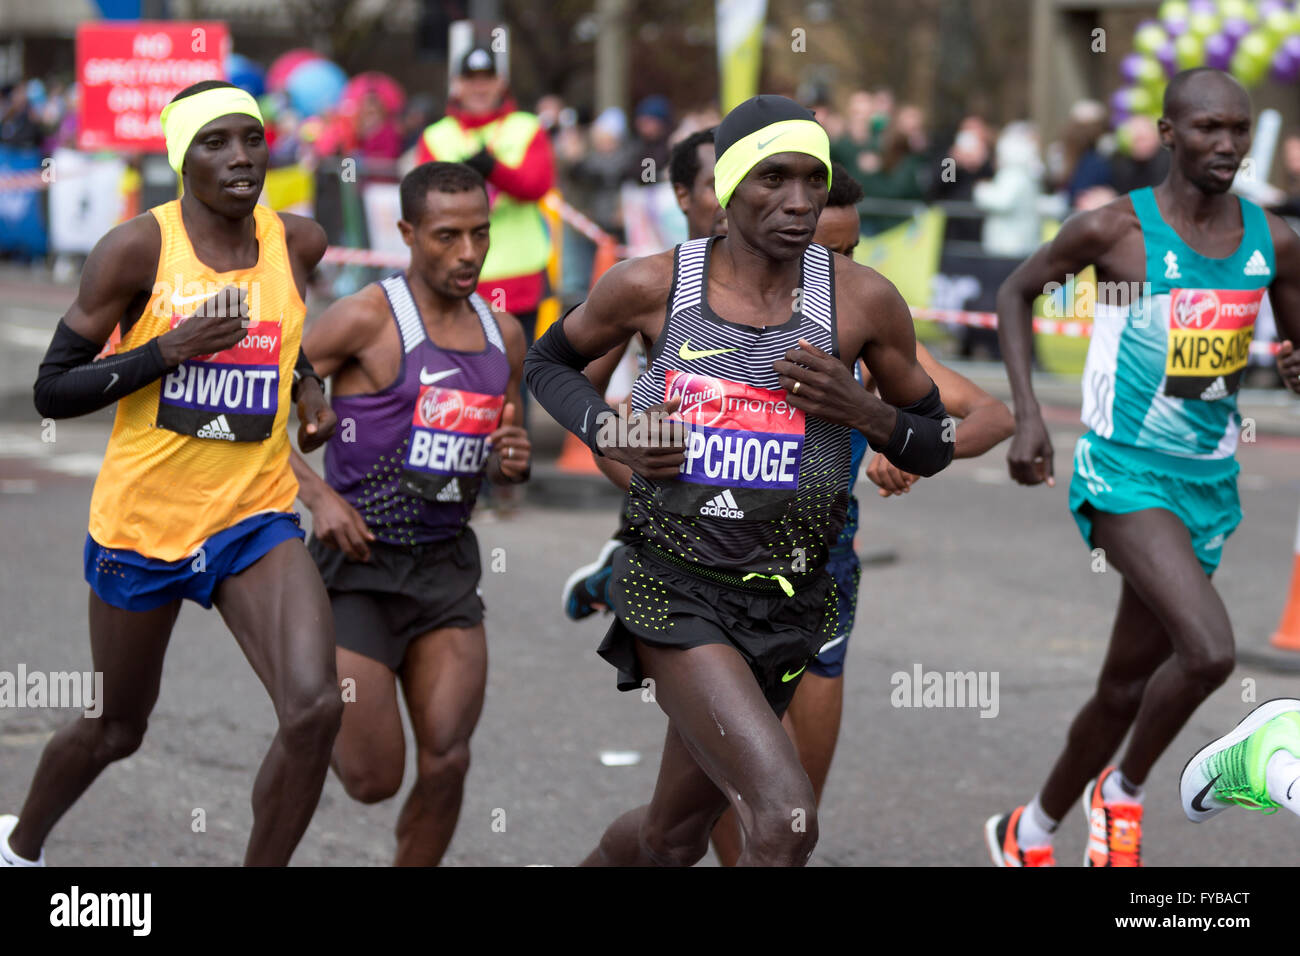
[
  {"x": 302, "y": 371},
  {"x": 924, "y": 437},
  {"x": 553, "y": 371},
  {"x": 71, "y": 382}
]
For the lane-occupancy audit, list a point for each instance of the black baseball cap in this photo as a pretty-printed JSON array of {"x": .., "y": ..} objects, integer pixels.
[{"x": 478, "y": 60}]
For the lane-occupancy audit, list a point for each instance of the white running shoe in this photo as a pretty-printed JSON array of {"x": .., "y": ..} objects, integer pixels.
[{"x": 7, "y": 856}]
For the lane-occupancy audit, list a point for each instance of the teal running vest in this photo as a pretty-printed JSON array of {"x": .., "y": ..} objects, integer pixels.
[{"x": 1164, "y": 363}]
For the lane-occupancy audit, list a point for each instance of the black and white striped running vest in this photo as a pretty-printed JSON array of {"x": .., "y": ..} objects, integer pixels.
[{"x": 763, "y": 489}]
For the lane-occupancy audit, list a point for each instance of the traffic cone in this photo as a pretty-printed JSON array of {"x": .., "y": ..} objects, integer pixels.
[
  {"x": 1287, "y": 636},
  {"x": 575, "y": 457},
  {"x": 606, "y": 256}
]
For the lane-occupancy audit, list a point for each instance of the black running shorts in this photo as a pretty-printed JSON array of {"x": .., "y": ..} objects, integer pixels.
[
  {"x": 668, "y": 606},
  {"x": 401, "y": 593}
]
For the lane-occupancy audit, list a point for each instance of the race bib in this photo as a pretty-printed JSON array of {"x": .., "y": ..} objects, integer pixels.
[
  {"x": 448, "y": 446},
  {"x": 1210, "y": 331},
  {"x": 743, "y": 449},
  {"x": 231, "y": 395}
]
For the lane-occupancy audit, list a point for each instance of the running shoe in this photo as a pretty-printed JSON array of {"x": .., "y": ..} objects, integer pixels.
[
  {"x": 587, "y": 590},
  {"x": 1232, "y": 769},
  {"x": 1114, "y": 828},
  {"x": 7, "y": 856},
  {"x": 1004, "y": 848}
]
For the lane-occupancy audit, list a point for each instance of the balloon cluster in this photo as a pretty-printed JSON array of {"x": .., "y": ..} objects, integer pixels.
[{"x": 1251, "y": 39}]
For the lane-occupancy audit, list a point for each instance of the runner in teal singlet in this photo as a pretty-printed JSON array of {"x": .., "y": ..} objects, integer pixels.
[{"x": 1181, "y": 271}]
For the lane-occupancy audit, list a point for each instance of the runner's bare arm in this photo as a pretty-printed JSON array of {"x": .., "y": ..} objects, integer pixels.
[
  {"x": 602, "y": 369},
  {"x": 1083, "y": 239},
  {"x": 985, "y": 421},
  {"x": 334, "y": 522},
  {"x": 351, "y": 330},
  {"x": 511, "y": 458},
  {"x": 1284, "y": 294},
  {"x": 116, "y": 285},
  {"x": 908, "y": 426},
  {"x": 629, "y": 298},
  {"x": 307, "y": 242}
]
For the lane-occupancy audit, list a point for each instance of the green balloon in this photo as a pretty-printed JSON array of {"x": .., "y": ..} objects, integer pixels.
[
  {"x": 1279, "y": 25},
  {"x": 1189, "y": 51},
  {"x": 1150, "y": 72},
  {"x": 1254, "y": 46},
  {"x": 1238, "y": 10},
  {"x": 1172, "y": 10},
  {"x": 1140, "y": 100},
  {"x": 1150, "y": 39},
  {"x": 1249, "y": 70},
  {"x": 1202, "y": 25}
]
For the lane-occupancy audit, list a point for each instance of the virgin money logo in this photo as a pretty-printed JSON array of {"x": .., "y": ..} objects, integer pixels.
[
  {"x": 442, "y": 408},
  {"x": 1197, "y": 309},
  {"x": 701, "y": 397}
]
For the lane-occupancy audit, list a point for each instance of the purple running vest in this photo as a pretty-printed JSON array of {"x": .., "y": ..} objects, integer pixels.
[{"x": 418, "y": 448}]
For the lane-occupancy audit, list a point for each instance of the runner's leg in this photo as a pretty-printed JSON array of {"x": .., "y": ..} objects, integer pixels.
[
  {"x": 370, "y": 751},
  {"x": 1173, "y": 607},
  {"x": 127, "y": 647},
  {"x": 279, "y": 613},
  {"x": 1138, "y": 645},
  {"x": 815, "y": 713},
  {"x": 443, "y": 678},
  {"x": 722, "y": 720}
]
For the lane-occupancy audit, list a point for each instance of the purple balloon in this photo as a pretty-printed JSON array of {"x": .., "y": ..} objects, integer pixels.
[
  {"x": 1291, "y": 46},
  {"x": 1168, "y": 58},
  {"x": 1202, "y": 6},
  {"x": 1175, "y": 28},
  {"x": 1286, "y": 68},
  {"x": 1269, "y": 6},
  {"x": 1119, "y": 101},
  {"x": 1129, "y": 67},
  {"x": 1234, "y": 28},
  {"x": 1218, "y": 51}
]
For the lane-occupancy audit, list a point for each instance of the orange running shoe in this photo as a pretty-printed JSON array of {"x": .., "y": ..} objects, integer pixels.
[
  {"x": 1004, "y": 848},
  {"x": 1114, "y": 828}
]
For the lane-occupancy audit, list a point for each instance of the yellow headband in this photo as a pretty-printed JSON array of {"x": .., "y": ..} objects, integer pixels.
[
  {"x": 785, "y": 136},
  {"x": 182, "y": 119}
]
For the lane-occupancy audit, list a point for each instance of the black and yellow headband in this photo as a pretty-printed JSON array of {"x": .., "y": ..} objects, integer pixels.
[{"x": 761, "y": 127}]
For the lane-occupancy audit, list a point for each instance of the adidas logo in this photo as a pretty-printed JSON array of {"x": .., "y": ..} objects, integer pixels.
[
  {"x": 1218, "y": 389},
  {"x": 723, "y": 506},
  {"x": 1255, "y": 265},
  {"x": 217, "y": 428},
  {"x": 450, "y": 491}
]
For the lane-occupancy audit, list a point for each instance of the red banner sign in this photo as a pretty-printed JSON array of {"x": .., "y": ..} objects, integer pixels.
[{"x": 129, "y": 71}]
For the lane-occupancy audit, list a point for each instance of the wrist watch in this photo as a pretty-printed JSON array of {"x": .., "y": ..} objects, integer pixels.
[{"x": 298, "y": 376}]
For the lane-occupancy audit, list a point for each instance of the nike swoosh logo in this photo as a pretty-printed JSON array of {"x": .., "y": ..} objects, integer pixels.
[
  {"x": 789, "y": 677},
  {"x": 762, "y": 145},
  {"x": 178, "y": 299},
  {"x": 584, "y": 419},
  {"x": 1288, "y": 789},
  {"x": 687, "y": 353},
  {"x": 428, "y": 378},
  {"x": 1196, "y": 800},
  {"x": 905, "y": 441},
  {"x": 112, "y": 383}
]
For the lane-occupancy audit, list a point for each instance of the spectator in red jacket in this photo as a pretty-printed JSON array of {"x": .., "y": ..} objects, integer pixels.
[{"x": 509, "y": 147}]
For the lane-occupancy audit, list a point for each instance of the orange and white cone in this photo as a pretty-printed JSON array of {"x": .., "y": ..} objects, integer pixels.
[{"x": 1287, "y": 636}]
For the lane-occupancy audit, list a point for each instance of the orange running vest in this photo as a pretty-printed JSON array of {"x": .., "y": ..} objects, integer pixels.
[{"x": 207, "y": 445}]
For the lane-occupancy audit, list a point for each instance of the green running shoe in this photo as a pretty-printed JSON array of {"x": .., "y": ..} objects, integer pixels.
[{"x": 1231, "y": 770}]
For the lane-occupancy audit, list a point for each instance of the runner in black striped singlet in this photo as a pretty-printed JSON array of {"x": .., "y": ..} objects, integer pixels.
[{"x": 739, "y": 445}]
